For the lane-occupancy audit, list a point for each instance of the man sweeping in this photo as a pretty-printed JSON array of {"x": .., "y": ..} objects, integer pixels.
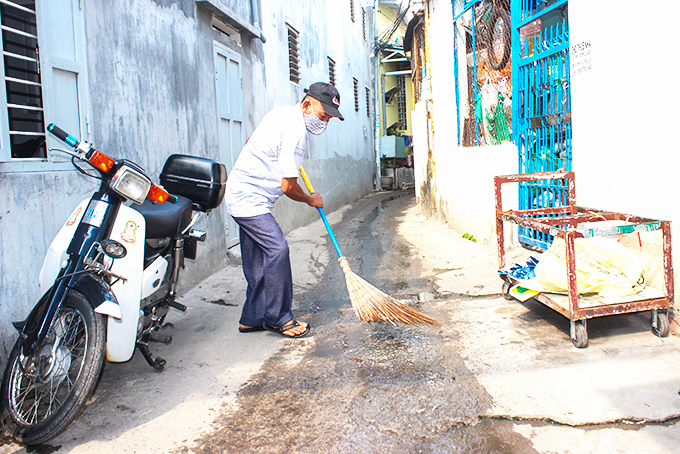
[{"x": 267, "y": 168}]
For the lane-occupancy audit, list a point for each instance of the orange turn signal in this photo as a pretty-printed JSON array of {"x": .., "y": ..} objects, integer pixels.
[
  {"x": 158, "y": 194},
  {"x": 101, "y": 161}
]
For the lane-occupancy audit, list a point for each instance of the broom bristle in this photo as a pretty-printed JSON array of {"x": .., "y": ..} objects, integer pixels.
[{"x": 372, "y": 305}]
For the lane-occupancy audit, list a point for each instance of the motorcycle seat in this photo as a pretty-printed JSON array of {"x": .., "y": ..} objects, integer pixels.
[{"x": 166, "y": 219}]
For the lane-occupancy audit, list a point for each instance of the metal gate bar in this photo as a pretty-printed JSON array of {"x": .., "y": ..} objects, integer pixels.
[{"x": 542, "y": 109}]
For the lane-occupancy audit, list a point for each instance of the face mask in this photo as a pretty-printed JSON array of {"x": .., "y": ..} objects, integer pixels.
[{"x": 314, "y": 125}]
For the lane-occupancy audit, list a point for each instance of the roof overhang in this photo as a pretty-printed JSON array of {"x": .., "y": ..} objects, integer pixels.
[
  {"x": 394, "y": 55},
  {"x": 221, "y": 11}
]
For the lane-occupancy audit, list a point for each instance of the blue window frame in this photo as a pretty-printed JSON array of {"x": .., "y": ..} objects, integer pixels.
[{"x": 482, "y": 51}]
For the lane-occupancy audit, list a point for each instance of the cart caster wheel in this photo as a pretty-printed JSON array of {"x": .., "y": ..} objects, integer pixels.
[
  {"x": 662, "y": 326},
  {"x": 506, "y": 291},
  {"x": 579, "y": 334}
]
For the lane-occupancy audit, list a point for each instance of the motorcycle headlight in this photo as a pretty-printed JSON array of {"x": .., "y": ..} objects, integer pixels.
[{"x": 131, "y": 184}]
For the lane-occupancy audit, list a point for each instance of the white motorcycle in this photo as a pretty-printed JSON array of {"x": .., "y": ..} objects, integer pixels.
[{"x": 108, "y": 281}]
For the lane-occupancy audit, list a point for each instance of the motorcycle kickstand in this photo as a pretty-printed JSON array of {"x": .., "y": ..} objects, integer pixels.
[{"x": 157, "y": 362}]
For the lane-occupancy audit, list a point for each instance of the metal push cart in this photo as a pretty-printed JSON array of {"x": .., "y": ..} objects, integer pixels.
[{"x": 567, "y": 222}]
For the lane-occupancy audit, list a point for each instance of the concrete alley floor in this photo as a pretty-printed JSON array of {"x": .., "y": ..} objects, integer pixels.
[
  {"x": 618, "y": 395},
  {"x": 498, "y": 377}
]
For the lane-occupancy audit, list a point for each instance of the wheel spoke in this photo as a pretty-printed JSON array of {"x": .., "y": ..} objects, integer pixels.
[
  {"x": 26, "y": 396},
  {"x": 53, "y": 399},
  {"x": 23, "y": 394},
  {"x": 39, "y": 392},
  {"x": 33, "y": 410},
  {"x": 36, "y": 399}
]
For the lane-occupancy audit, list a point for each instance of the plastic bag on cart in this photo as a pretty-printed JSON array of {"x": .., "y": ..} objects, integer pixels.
[
  {"x": 519, "y": 271},
  {"x": 603, "y": 266}
]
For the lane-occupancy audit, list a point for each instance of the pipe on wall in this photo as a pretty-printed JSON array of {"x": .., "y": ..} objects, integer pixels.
[{"x": 255, "y": 8}]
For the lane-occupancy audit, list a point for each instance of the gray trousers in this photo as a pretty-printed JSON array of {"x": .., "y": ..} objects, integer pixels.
[{"x": 266, "y": 266}]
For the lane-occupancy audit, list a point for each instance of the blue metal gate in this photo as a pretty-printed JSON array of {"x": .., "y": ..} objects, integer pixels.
[{"x": 541, "y": 104}]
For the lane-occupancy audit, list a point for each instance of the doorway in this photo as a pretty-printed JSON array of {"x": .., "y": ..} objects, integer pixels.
[{"x": 229, "y": 89}]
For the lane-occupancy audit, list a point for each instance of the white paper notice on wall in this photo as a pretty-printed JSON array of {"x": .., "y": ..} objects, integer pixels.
[{"x": 580, "y": 58}]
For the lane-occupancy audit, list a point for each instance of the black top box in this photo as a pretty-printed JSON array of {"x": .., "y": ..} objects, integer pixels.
[{"x": 201, "y": 180}]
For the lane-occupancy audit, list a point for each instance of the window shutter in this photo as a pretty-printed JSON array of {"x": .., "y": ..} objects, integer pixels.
[{"x": 64, "y": 68}]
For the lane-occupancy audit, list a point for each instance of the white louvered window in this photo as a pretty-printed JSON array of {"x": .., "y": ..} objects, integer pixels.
[
  {"x": 23, "y": 86},
  {"x": 43, "y": 81}
]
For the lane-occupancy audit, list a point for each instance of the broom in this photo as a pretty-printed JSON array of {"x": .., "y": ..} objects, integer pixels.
[{"x": 369, "y": 303}]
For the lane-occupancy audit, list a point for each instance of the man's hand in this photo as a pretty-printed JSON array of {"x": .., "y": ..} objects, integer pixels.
[
  {"x": 317, "y": 201},
  {"x": 294, "y": 191}
]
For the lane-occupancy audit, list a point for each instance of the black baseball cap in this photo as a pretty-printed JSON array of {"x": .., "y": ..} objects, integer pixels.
[{"x": 328, "y": 96}]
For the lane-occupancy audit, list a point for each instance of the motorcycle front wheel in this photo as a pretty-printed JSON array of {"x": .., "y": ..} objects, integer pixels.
[{"x": 41, "y": 400}]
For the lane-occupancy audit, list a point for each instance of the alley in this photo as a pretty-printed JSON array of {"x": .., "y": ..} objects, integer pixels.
[
  {"x": 358, "y": 387},
  {"x": 498, "y": 377}
]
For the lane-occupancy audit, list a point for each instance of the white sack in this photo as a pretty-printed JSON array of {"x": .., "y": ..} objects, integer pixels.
[{"x": 603, "y": 266}]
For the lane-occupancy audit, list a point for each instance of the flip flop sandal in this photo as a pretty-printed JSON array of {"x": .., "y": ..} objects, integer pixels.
[
  {"x": 285, "y": 328},
  {"x": 250, "y": 329}
]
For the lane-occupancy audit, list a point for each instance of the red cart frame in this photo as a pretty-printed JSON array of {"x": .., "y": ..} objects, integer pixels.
[{"x": 562, "y": 222}]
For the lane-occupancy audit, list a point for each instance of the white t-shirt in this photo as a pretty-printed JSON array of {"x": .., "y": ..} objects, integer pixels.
[{"x": 274, "y": 151}]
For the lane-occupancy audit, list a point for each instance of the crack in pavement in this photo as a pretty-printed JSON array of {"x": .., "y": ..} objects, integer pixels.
[
  {"x": 465, "y": 296},
  {"x": 630, "y": 422}
]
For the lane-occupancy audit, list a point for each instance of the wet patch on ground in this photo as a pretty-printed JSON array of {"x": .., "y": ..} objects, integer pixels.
[
  {"x": 363, "y": 388},
  {"x": 360, "y": 387}
]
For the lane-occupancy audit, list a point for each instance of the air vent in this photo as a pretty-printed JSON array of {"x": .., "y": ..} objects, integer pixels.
[
  {"x": 368, "y": 102},
  {"x": 293, "y": 54},
  {"x": 356, "y": 94},
  {"x": 331, "y": 71}
]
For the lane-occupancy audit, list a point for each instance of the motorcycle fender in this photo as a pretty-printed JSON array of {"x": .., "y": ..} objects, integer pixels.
[
  {"x": 98, "y": 294},
  {"x": 130, "y": 230},
  {"x": 56, "y": 254}
]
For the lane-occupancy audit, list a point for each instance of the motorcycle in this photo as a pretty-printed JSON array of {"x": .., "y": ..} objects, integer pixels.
[{"x": 108, "y": 280}]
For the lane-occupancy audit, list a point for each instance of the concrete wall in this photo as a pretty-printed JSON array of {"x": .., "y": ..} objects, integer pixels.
[
  {"x": 624, "y": 110},
  {"x": 152, "y": 94},
  {"x": 154, "y": 60},
  {"x": 462, "y": 188}
]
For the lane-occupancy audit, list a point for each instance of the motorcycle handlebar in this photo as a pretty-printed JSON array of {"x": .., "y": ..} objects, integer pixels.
[
  {"x": 69, "y": 139},
  {"x": 63, "y": 135}
]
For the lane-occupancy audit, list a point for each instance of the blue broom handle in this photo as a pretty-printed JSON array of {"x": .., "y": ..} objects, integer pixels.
[{"x": 323, "y": 215}]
